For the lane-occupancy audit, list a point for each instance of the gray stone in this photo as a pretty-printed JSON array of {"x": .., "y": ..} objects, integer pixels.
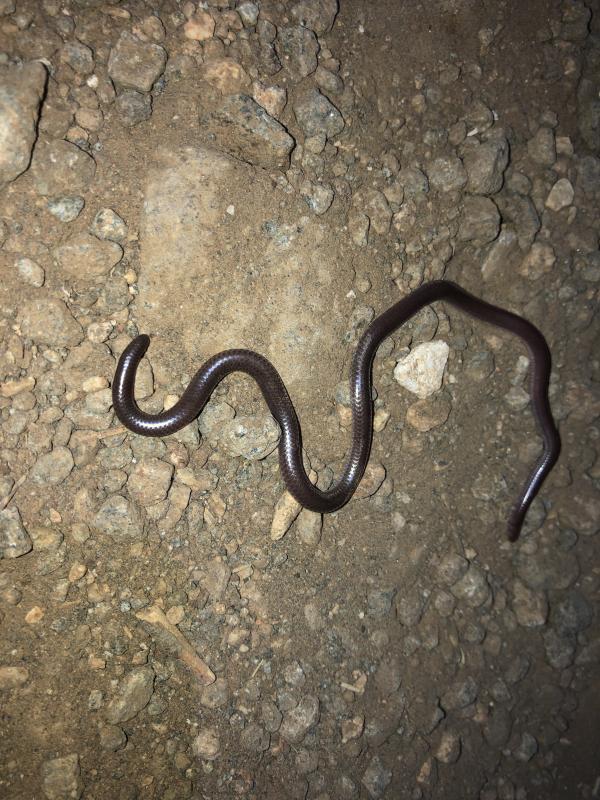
[
  {"x": 271, "y": 716},
  {"x": 580, "y": 510},
  {"x": 472, "y": 588},
  {"x": 255, "y": 738},
  {"x": 527, "y": 748},
  {"x": 485, "y": 165},
  {"x": 560, "y": 648},
  {"x": 497, "y": 727},
  {"x": 496, "y": 261},
  {"x": 21, "y": 91},
  {"x": 589, "y": 653},
  {"x": 78, "y": 56},
  {"x": 447, "y": 174},
  {"x": 133, "y": 695},
  {"x": 206, "y": 745},
  {"x": 66, "y": 209},
  {"x": 61, "y": 778},
  {"x": 539, "y": 261},
  {"x": 14, "y": 539},
  {"x": 374, "y": 204},
  {"x": 388, "y": 677},
  {"x": 253, "y": 437},
  {"x": 384, "y": 719},
  {"x": 376, "y": 778},
  {"x": 119, "y": 518},
  {"x": 133, "y": 64},
  {"x": 216, "y": 695},
  {"x": 47, "y": 320},
  {"x": 318, "y": 15},
  {"x": 547, "y": 568},
  {"x": 542, "y": 148},
  {"x": 86, "y": 257},
  {"x": 87, "y": 360},
  {"x": 561, "y": 195},
  {"x": 530, "y": 606},
  {"x": 480, "y": 220},
  {"x": 245, "y": 130},
  {"x": 150, "y": 480},
  {"x": 521, "y": 213},
  {"x": 212, "y": 419},
  {"x": 588, "y": 176},
  {"x": 414, "y": 181},
  {"x": 315, "y": 115},
  {"x": 572, "y": 615},
  {"x": 451, "y": 569},
  {"x": 460, "y": 695},
  {"x": 59, "y": 168},
  {"x": 430, "y": 413},
  {"x": 107, "y": 224},
  {"x": 297, "y": 48},
  {"x": 248, "y": 13},
  {"x": 30, "y": 272},
  {"x": 409, "y": 606},
  {"x": 299, "y": 720},
  {"x": 133, "y": 107},
  {"x": 330, "y": 82},
  {"x": 52, "y": 468},
  {"x": 216, "y": 578},
  {"x": 317, "y": 196},
  {"x": 379, "y": 601},
  {"x": 517, "y": 669},
  {"x": 112, "y": 738},
  {"x": 479, "y": 366}
]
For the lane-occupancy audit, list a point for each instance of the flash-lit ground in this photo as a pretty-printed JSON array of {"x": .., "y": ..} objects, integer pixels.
[{"x": 272, "y": 175}]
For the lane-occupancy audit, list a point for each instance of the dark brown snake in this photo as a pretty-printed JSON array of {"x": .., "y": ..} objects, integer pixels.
[{"x": 264, "y": 373}]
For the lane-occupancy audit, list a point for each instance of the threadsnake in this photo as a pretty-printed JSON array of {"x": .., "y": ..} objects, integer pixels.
[{"x": 212, "y": 372}]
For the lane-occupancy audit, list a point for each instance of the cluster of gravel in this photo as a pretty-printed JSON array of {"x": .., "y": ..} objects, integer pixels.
[{"x": 182, "y": 626}]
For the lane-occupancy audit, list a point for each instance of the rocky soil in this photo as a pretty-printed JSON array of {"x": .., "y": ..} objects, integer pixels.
[{"x": 273, "y": 175}]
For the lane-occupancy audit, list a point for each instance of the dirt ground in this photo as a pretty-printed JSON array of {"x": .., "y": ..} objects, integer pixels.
[{"x": 273, "y": 175}]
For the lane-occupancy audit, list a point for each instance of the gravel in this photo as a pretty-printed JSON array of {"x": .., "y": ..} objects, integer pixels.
[
  {"x": 60, "y": 168},
  {"x": 424, "y": 652},
  {"x": 61, "y": 778},
  {"x": 133, "y": 694},
  {"x": 14, "y": 539},
  {"x": 137, "y": 65},
  {"x": 107, "y": 224},
  {"x": 316, "y": 114},
  {"x": 133, "y": 107},
  {"x": 297, "y": 48},
  {"x": 86, "y": 257},
  {"x": 246, "y": 131},
  {"x": 298, "y": 721},
  {"x": 66, "y": 209}
]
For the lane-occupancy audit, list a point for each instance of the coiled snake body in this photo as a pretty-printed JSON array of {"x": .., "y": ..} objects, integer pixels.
[{"x": 273, "y": 389}]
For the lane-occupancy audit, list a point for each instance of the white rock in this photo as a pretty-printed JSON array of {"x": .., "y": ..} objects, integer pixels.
[
  {"x": 286, "y": 511},
  {"x": 422, "y": 370},
  {"x": 561, "y": 195},
  {"x": 30, "y": 272}
]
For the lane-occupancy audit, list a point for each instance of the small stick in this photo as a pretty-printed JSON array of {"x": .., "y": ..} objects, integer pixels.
[
  {"x": 184, "y": 650},
  {"x": 105, "y": 434}
]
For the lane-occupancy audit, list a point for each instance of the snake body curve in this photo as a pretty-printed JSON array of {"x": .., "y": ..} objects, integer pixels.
[{"x": 276, "y": 396}]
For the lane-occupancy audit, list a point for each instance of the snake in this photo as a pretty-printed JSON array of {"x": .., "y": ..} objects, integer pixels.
[{"x": 273, "y": 389}]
